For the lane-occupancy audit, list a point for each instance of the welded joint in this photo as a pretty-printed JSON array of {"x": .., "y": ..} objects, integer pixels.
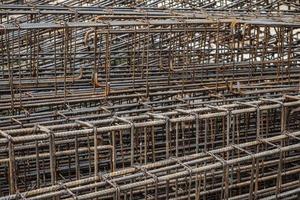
[
  {"x": 105, "y": 109},
  {"x": 241, "y": 149},
  {"x": 263, "y": 141},
  {"x": 20, "y": 195},
  {"x": 44, "y": 129},
  {"x": 185, "y": 166},
  {"x": 195, "y": 114},
  {"x": 146, "y": 172},
  {"x": 7, "y": 136},
  {"x": 27, "y": 113},
  {"x": 29, "y": 94},
  {"x": 257, "y": 107},
  {"x": 218, "y": 108},
  {"x": 84, "y": 124},
  {"x": 68, "y": 107},
  {"x": 121, "y": 119},
  {"x": 288, "y": 134},
  {"x": 182, "y": 100},
  {"x": 49, "y": 132},
  {"x": 225, "y": 167},
  {"x": 248, "y": 104},
  {"x": 272, "y": 101},
  {"x": 62, "y": 115},
  {"x": 218, "y": 158},
  {"x": 109, "y": 10},
  {"x": 145, "y": 104},
  {"x": 197, "y": 117},
  {"x": 278, "y": 181},
  {"x": 63, "y": 186},
  {"x": 17, "y": 121},
  {"x": 158, "y": 116},
  {"x": 74, "y": 10},
  {"x": 167, "y": 123},
  {"x": 16, "y": 23},
  {"x": 51, "y": 137},
  {"x": 228, "y": 113},
  {"x": 107, "y": 179},
  {"x": 132, "y": 130},
  {"x": 283, "y": 111}
]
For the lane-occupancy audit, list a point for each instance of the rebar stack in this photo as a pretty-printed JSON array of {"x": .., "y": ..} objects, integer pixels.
[
  {"x": 248, "y": 173},
  {"x": 149, "y": 100}
]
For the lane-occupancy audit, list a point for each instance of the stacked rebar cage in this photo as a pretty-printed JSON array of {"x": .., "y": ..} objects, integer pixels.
[{"x": 150, "y": 100}]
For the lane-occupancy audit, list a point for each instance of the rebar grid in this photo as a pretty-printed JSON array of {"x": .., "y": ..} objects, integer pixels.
[
  {"x": 162, "y": 101},
  {"x": 248, "y": 173},
  {"x": 191, "y": 52},
  {"x": 60, "y": 151}
]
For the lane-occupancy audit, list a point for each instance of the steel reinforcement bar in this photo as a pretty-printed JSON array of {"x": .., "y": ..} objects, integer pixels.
[
  {"x": 263, "y": 168},
  {"x": 65, "y": 147},
  {"x": 113, "y": 57}
]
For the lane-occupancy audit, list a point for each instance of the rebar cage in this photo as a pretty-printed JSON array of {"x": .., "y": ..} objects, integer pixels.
[{"x": 149, "y": 99}]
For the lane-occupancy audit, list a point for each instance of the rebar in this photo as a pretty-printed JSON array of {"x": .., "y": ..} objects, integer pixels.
[{"x": 149, "y": 99}]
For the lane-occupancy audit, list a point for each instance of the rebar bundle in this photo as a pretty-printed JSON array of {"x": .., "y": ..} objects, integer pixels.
[{"x": 149, "y": 99}]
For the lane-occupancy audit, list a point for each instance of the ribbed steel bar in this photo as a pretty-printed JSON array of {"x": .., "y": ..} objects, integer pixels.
[
  {"x": 149, "y": 99},
  {"x": 152, "y": 177},
  {"x": 116, "y": 140},
  {"x": 114, "y": 69}
]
